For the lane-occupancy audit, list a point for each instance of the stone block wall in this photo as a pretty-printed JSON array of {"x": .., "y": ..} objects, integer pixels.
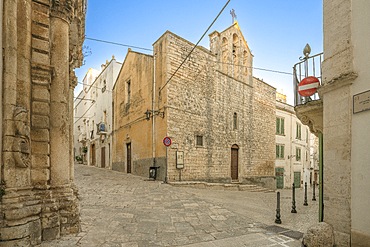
[
  {"x": 201, "y": 101},
  {"x": 38, "y": 198}
]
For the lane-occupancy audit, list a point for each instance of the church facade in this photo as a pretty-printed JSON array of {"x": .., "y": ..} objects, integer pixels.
[{"x": 220, "y": 119}]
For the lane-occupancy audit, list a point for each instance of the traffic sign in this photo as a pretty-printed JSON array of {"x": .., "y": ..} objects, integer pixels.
[
  {"x": 308, "y": 86},
  {"x": 167, "y": 141}
]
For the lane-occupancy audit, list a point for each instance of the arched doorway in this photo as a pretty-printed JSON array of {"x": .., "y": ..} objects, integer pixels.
[{"x": 234, "y": 162}]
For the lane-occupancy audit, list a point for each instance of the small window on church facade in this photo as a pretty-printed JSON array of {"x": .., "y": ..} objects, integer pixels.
[
  {"x": 199, "y": 140},
  {"x": 235, "y": 121}
]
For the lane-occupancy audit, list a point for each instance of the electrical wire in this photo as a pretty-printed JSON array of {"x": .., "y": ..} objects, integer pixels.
[
  {"x": 115, "y": 43},
  {"x": 194, "y": 47},
  {"x": 256, "y": 68}
]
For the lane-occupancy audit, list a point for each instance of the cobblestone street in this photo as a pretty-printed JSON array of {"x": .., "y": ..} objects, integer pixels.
[{"x": 120, "y": 209}]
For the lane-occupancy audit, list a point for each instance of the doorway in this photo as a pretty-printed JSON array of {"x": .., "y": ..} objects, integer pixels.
[
  {"x": 102, "y": 155},
  {"x": 93, "y": 155},
  {"x": 279, "y": 173},
  {"x": 128, "y": 151},
  {"x": 297, "y": 179},
  {"x": 234, "y": 162}
]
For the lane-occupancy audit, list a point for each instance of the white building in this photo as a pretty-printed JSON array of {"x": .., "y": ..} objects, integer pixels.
[
  {"x": 93, "y": 116},
  {"x": 296, "y": 153}
]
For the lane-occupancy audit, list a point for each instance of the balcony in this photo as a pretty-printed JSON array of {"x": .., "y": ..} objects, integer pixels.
[
  {"x": 309, "y": 109},
  {"x": 102, "y": 128},
  {"x": 82, "y": 137}
]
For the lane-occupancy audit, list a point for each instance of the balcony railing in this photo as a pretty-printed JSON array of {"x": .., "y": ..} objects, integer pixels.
[{"x": 309, "y": 66}]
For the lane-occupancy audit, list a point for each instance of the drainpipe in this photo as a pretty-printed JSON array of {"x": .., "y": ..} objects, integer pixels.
[
  {"x": 321, "y": 178},
  {"x": 153, "y": 108},
  {"x": 291, "y": 151}
]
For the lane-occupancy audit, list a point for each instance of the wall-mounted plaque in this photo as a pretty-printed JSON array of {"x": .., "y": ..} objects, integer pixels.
[{"x": 361, "y": 102}]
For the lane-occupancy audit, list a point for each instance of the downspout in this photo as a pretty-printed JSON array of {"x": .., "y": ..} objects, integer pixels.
[
  {"x": 153, "y": 109},
  {"x": 291, "y": 152},
  {"x": 321, "y": 178}
]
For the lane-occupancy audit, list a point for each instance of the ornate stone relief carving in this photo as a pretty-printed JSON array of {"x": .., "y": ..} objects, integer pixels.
[
  {"x": 21, "y": 144},
  {"x": 63, "y": 9}
]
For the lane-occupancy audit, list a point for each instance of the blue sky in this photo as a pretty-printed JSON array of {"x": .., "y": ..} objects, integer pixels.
[{"x": 276, "y": 30}]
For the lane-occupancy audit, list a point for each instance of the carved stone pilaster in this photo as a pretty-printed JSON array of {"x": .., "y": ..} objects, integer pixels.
[
  {"x": 63, "y": 9},
  {"x": 311, "y": 114}
]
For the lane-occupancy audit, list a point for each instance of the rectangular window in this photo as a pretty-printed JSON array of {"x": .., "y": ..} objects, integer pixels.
[
  {"x": 280, "y": 126},
  {"x": 199, "y": 140},
  {"x": 298, "y": 154},
  {"x": 279, "y": 151},
  {"x": 299, "y": 131},
  {"x": 306, "y": 135}
]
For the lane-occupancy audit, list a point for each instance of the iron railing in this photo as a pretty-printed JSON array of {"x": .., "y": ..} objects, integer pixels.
[{"x": 308, "y": 66}]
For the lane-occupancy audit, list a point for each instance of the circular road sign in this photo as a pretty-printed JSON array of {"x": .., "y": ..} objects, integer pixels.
[
  {"x": 308, "y": 86},
  {"x": 167, "y": 141}
]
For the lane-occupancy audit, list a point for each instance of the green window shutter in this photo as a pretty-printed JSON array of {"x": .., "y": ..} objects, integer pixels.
[
  {"x": 282, "y": 127},
  {"x": 277, "y": 125},
  {"x": 282, "y": 152},
  {"x": 277, "y": 151}
]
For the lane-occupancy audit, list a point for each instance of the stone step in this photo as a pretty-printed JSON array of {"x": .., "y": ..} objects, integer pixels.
[{"x": 235, "y": 186}]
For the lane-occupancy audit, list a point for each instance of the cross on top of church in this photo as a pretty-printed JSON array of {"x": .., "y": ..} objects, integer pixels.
[{"x": 233, "y": 15}]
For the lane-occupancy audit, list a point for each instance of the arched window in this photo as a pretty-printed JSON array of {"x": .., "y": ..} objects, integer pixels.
[
  {"x": 235, "y": 48},
  {"x": 224, "y": 53},
  {"x": 245, "y": 62}
]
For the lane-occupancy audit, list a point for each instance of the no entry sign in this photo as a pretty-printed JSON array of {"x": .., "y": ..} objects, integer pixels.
[
  {"x": 308, "y": 86},
  {"x": 167, "y": 141}
]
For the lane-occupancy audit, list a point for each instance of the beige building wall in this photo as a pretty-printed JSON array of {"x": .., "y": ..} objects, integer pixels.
[
  {"x": 346, "y": 156},
  {"x": 132, "y": 96},
  {"x": 360, "y": 155}
]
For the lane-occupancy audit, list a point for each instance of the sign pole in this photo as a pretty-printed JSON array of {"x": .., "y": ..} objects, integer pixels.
[
  {"x": 167, "y": 142},
  {"x": 166, "y": 178}
]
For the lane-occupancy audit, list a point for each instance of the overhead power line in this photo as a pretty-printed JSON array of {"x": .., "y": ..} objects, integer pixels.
[
  {"x": 115, "y": 43},
  {"x": 194, "y": 47},
  {"x": 142, "y": 48}
]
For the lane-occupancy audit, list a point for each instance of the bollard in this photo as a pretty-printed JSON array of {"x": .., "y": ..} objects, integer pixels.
[
  {"x": 313, "y": 196},
  {"x": 293, "y": 201},
  {"x": 305, "y": 194},
  {"x": 278, "y": 220}
]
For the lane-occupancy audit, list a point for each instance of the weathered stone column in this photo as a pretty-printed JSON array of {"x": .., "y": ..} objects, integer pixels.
[{"x": 59, "y": 95}]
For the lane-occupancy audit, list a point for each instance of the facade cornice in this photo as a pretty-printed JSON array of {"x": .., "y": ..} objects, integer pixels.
[{"x": 340, "y": 81}]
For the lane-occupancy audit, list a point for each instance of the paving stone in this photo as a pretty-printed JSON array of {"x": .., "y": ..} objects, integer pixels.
[{"x": 118, "y": 209}]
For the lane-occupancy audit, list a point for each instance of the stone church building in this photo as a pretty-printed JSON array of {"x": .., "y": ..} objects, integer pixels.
[
  {"x": 220, "y": 119},
  {"x": 41, "y": 43}
]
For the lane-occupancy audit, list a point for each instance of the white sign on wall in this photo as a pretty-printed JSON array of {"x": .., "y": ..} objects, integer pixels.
[
  {"x": 179, "y": 159},
  {"x": 361, "y": 102}
]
